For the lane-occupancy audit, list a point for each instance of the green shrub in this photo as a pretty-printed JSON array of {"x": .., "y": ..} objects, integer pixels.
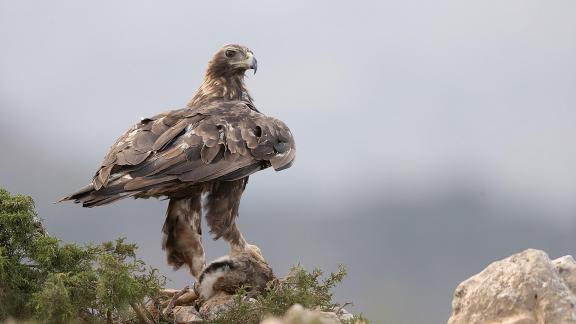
[
  {"x": 43, "y": 279},
  {"x": 308, "y": 289}
]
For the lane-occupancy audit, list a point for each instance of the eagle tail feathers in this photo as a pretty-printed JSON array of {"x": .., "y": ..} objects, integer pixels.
[{"x": 88, "y": 196}]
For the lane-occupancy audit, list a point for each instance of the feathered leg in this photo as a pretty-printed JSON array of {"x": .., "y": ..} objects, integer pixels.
[
  {"x": 222, "y": 205},
  {"x": 182, "y": 234}
]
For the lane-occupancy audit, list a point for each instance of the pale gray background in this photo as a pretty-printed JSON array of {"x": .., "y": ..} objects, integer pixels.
[{"x": 433, "y": 136}]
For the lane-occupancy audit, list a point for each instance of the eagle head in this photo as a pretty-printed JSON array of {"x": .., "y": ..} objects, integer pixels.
[{"x": 232, "y": 60}]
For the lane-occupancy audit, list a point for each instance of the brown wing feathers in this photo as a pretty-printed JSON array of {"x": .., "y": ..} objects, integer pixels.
[{"x": 224, "y": 140}]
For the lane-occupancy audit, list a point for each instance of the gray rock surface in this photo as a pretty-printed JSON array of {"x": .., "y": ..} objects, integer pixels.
[
  {"x": 525, "y": 288},
  {"x": 216, "y": 305},
  {"x": 300, "y": 315},
  {"x": 186, "y": 315},
  {"x": 566, "y": 267}
]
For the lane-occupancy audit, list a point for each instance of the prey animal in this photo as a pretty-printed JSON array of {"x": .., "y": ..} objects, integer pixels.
[{"x": 200, "y": 158}]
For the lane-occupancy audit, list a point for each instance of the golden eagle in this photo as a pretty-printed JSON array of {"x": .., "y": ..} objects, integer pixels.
[{"x": 209, "y": 148}]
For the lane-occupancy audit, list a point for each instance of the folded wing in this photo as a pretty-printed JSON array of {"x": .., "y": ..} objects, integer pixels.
[{"x": 163, "y": 154}]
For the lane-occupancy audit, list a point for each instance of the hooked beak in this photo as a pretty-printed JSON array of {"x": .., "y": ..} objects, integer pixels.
[
  {"x": 252, "y": 62},
  {"x": 254, "y": 65}
]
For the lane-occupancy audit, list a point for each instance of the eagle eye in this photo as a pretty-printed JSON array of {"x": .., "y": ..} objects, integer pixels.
[{"x": 230, "y": 53}]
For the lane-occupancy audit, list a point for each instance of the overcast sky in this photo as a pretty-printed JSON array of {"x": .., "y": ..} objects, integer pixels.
[{"x": 443, "y": 113}]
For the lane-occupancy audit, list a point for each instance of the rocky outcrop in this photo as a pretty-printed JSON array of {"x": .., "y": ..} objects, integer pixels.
[{"x": 525, "y": 288}]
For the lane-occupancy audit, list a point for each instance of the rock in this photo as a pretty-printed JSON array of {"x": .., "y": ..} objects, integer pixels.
[
  {"x": 216, "y": 305},
  {"x": 566, "y": 267},
  {"x": 525, "y": 288},
  {"x": 344, "y": 315},
  {"x": 300, "y": 315},
  {"x": 186, "y": 315},
  {"x": 187, "y": 299},
  {"x": 168, "y": 293}
]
